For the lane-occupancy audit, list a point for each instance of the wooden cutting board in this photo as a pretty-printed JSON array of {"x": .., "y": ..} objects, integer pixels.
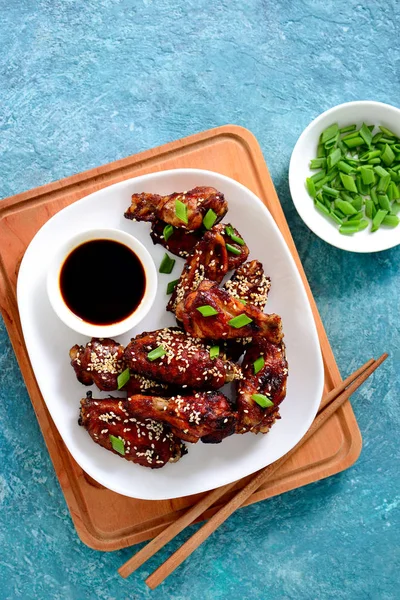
[{"x": 105, "y": 520}]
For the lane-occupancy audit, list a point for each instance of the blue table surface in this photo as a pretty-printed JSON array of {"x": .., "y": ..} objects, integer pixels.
[{"x": 83, "y": 83}]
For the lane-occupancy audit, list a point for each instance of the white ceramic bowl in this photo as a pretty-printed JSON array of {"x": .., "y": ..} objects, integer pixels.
[
  {"x": 72, "y": 320},
  {"x": 372, "y": 113}
]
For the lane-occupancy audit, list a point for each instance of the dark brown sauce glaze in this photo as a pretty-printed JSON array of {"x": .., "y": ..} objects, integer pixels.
[{"x": 102, "y": 282}]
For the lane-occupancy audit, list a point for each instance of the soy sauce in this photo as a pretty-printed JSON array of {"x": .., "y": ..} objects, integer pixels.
[{"x": 102, "y": 282}]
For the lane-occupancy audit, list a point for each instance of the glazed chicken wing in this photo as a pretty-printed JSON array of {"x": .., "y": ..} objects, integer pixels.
[
  {"x": 270, "y": 381},
  {"x": 186, "y": 362},
  {"x": 202, "y": 415},
  {"x": 208, "y": 261},
  {"x": 219, "y": 326},
  {"x": 149, "y": 207},
  {"x": 140, "y": 440},
  {"x": 249, "y": 283},
  {"x": 99, "y": 362}
]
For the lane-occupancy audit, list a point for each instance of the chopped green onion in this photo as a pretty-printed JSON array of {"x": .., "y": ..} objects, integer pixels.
[
  {"x": 262, "y": 400},
  {"x": 391, "y": 221},
  {"x": 345, "y": 207},
  {"x": 242, "y": 301},
  {"x": 367, "y": 176},
  {"x": 387, "y": 155},
  {"x": 232, "y": 249},
  {"x": 348, "y": 182},
  {"x": 167, "y": 232},
  {"x": 353, "y": 142},
  {"x": 334, "y": 158},
  {"x": 240, "y": 321},
  {"x": 366, "y": 135},
  {"x": 321, "y": 151},
  {"x": 330, "y": 191},
  {"x": 317, "y": 163},
  {"x": 329, "y": 133},
  {"x": 322, "y": 208},
  {"x": 171, "y": 286},
  {"x": 258, "y": 364},
  {"x": 231, "y": 232},
  {"x": 384, "y": 202},
  {"x": 123, "y": 378},
  {"x": 156, "y": 353},
  {"x": 214, "y": 351},
  {"x": 167, "y": 264},
  {"x": 207, "y": 310},
  {"x": 209, "y": 218},
  {"x": 318, "y": 176},
  {"x": 343, "y": 166},
  {"x": 117, "y": 444},
  {"x": 347, "y": 129},
  {"x": 381, "y": 171},
  {"x": 383, "y": 183},
  {"x": 348, "y": 228},
  {"x": 395, "y": 208},
  {"x": 310, "y": 187},
  {"x": 387, "y": 131},
  {"x": 181, "y": 211},
  {"x": 377, "y": 220}
]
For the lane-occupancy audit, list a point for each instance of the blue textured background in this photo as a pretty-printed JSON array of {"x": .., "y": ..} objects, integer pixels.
[{"x": 86, "y": 82}]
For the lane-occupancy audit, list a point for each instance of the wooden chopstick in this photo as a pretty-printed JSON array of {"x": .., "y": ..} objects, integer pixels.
[
  {"x": 204, "y": 503},
  {"x": 160, "y": 574}
]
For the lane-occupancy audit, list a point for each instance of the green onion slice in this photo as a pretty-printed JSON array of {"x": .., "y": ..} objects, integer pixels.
[
  {"x": 156, "y": 353},
  {"x": 167, "y": 232},
  {"x": 171, "y": 286},
  {"x": 240, "y": 321},
  {"x": 214, "y": 351},
  {"x": 207, "y": 310},
  {"x": 231, "y": 232},
  {"x": 117, "y": 444},
  {"x": 262, "y": 400},
  {"x": 167, "y": 264},
  {"x": 232, "y": 249},
  {"x": 258, "y": 364},
  {"x": 123, "y": 378},
  {"x": 209, "y": 219},
  {"x": 181, "y": 211}
]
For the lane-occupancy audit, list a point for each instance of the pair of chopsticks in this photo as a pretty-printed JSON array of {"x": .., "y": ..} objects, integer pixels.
[{"x": 329, "y": 405}]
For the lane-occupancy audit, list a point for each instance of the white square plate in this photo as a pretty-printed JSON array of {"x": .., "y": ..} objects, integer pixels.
[{"x": 48, "y": 340}]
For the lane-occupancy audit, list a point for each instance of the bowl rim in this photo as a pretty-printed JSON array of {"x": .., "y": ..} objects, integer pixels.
[
  {"x": 293, "y": 181},
  {"x": 66, "y": 315}
]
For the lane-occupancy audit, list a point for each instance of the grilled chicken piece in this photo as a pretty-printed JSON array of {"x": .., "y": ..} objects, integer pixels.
[
  {"x": 249, "y": 283},
  {"x": 150, "y": 207},
  {"x": 217, "y": 327},
  {"x": 99, "y": 362},
  {"x": 201, "y": 415},
  {"x": 240, "y": 251},
  {"x": 144, "y": 441},
  {"x": 270, "y": 381},
  {"x": 208, "y": 261},
  {"x": 181, "y": 242},
  {"x": 186, "y": 362}
]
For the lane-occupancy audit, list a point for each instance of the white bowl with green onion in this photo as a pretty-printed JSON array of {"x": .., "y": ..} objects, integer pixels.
[{"x": 344, "y": 176}]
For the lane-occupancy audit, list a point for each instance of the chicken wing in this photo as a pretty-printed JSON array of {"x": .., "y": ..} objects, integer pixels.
[
  {"x": 270, "y": 381},
  {"x": 208, "y": 261},
  {"x": 99, "y": 362},
  {"x": 186, "y": 361},
  {"x": 142, "y": 440},
  {"x": 201, "y": 415},
  {"x": 149, "y": 207},
  {"x": 138, "y": 384},
  {"x": 219, "y": 326},
  {"x": 250, "y": 284},
  {"x": 181, "y": 242}
]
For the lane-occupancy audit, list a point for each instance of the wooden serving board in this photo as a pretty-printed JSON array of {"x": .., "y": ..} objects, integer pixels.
[{"x": 105, "y": 520}]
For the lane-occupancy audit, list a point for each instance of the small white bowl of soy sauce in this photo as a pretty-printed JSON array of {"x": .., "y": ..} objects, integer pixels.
[{"x": 102, "y": 282}]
